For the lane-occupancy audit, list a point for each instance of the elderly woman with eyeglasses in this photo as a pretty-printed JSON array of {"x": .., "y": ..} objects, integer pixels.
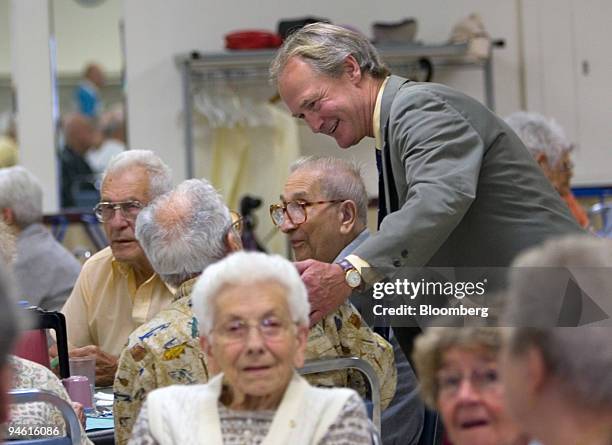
[
  {"x": 458, "y": 373},
  {"x": 253, "y": 311}
]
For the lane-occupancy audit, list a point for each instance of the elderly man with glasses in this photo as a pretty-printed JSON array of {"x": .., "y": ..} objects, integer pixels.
[
  {"x": 324, "y": 215},
  {"x": 117, "y": 289},
  {"x": 323, "y": 212}
]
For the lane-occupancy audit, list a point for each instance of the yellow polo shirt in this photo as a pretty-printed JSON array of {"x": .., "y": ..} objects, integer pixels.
[{"x": 105, "y": 305}]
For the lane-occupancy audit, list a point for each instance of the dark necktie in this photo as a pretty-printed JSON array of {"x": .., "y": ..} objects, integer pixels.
[
  {"x": 382, "y": 207},
  {"x": 383, "y": 331}
]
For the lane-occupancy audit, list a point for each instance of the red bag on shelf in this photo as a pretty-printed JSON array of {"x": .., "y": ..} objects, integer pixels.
[{"x": 252, "y": 39}]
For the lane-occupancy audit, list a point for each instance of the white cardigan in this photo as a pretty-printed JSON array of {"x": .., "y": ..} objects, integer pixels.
[{"x": 189, "y": 415}]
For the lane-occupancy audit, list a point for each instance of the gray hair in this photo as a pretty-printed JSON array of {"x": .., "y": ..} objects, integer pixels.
[
  {"x": 248, "y": 268},
  {"x": 183, "y": 231},
  {"x": 431, "y": 346},
  {"x": 21, "y": 192},
  {"x": 339, "y": 179},
  {"x": 580, "y": 357},
  {"x": 540, "y": 135},
  {"x": 325, "y": 47},
  {"x": 160, "y": 176}
]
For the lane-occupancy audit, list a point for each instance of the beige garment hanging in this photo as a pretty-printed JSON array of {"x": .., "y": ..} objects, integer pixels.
[{"x": 255, "y": 161}]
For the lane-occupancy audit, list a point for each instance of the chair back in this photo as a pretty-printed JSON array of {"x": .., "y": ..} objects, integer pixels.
[
  {"x": 337, "y": 363},
  {"x": 33, "y": 343},
  {"x": 73, "y": 429}
]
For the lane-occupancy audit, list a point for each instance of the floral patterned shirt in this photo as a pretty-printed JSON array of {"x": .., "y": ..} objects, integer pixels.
[{"x": 28, "y": 375}]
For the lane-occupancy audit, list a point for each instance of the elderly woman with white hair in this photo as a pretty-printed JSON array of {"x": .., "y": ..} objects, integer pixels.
[
  {"x": 559, "y": 379},
  {"x": 253, "y": 311}
]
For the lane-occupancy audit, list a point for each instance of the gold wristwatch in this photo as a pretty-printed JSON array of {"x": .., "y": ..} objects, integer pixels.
[{"x": 351, "y": 275}]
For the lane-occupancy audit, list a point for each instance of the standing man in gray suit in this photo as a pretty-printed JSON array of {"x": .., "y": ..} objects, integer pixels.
[{"x": 457, "y": 186}]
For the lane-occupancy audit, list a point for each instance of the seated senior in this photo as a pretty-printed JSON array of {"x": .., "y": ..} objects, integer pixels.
[
  {"x": 182, "y": 233},
  {"x": 45, "y": 271},
  {"x": 253, "y": 312},
  {"x": 559, "y": 379},
  {"x": 551, "y": 149},
  {"x": 117, "y": 289},
  {"x": 459, "y": 375},
  {"x": 324, "y": 215}
]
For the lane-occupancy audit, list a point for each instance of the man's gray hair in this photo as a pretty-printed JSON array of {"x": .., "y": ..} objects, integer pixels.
[
  {"x": 338, "y": 179},
  {"x": 21, "y": 192},
  {"x": 183, "y": 231},
  {"x": 160, "y": 176},
  {"x": 579, "y": 357},
  {"x": 325, "y": 48},
  {"x": 540, "y": 135},
  {"x": 248, "y": 268}
]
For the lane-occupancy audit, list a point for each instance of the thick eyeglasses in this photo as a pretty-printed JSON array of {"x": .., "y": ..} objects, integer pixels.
[
  {"x": 295, "y": 210},
  {"x": 481, "y": 379},
  {"x": 270, "y": 328},
  {"x": 105, "y": 211}
]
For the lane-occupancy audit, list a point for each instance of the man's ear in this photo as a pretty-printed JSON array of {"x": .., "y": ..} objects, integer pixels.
[
  {"x": 542, "y": 161},
  {"x": 233, "y": 241},
  {"x": 348, "y": 216},
  {"x": 352, "y": 69},
  {"x": 7, "y": 215},
  {"x": 536, "y": 370}
]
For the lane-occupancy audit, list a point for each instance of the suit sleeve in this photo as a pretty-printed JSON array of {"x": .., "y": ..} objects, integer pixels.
[{"x": 441, "y": 154}]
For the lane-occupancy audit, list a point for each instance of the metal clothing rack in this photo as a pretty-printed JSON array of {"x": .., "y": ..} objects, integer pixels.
[{"x": 197, "y": 67}]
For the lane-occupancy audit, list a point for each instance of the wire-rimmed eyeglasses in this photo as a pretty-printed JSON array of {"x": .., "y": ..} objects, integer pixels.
[{"x": 105, "y": 211}]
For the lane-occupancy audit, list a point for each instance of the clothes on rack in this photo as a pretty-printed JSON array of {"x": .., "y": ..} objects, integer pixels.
[{"x": 250, "y": 160}]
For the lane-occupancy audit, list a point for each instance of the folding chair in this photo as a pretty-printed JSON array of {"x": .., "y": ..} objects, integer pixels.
[
  {"x": 336, "y": 363},
  {"x": 73, "y": 429},
  {"x": 43, "y": 320}
]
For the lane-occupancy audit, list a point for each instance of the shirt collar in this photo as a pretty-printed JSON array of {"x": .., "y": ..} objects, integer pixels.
[
  {"x": 365, "y": 233},
  {"x": 128, "y": 272},
  {"x": 376, "y": 118},
  {"x": 185, "y": 289}
]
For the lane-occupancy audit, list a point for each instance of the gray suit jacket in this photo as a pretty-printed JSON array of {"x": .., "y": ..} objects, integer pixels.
[{"x": 460, "y": 187}]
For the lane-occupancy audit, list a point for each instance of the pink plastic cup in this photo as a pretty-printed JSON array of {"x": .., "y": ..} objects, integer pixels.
[{"x": 79, "y": 390}]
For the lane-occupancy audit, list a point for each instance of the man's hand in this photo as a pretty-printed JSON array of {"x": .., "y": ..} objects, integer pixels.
[
  {"x": 80, "y": 412},
  {"x": 106, "y": 364},
  {"x": 327, "y": 289}
]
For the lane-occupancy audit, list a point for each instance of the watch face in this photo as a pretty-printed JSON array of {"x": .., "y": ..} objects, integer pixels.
[{"x": 353, "y": 279}]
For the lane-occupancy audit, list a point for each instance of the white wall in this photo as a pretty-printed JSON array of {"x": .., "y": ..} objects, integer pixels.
[
  {"x": 157, "y": 30},
  {"x": 87, "y": 34},
  {"x": 83, "y": 34},
  {"x": 31, "y": 63},
  {"x": 5, "y": 41},
  {"x": 560, "y": 38}
]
